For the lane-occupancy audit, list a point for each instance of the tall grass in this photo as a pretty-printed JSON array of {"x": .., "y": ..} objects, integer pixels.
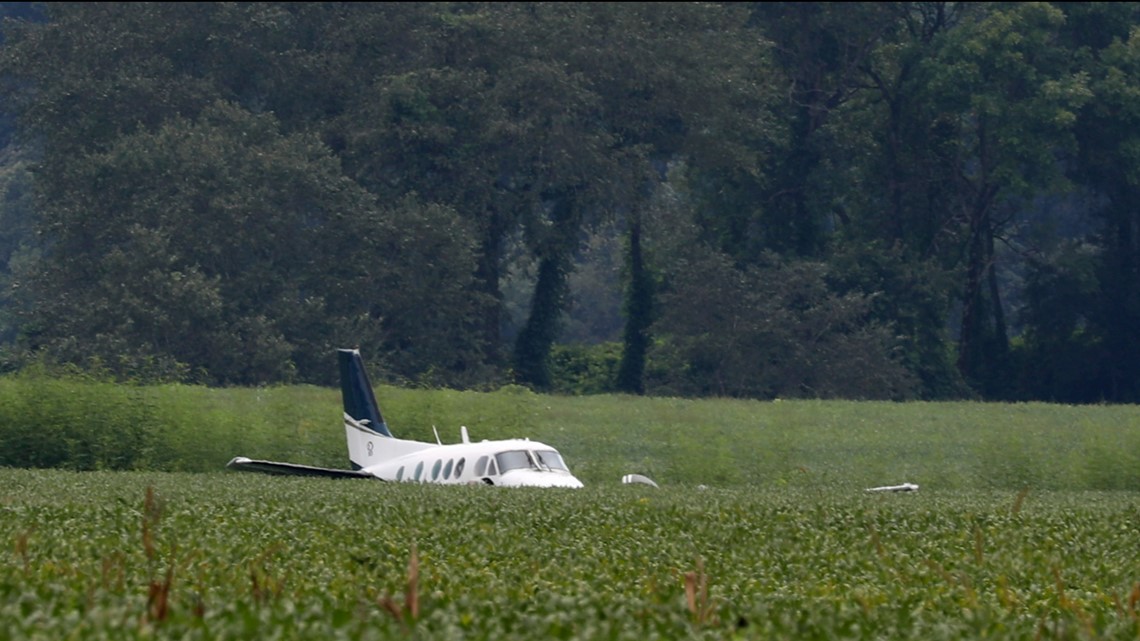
[{"x": 79, "y": 424}]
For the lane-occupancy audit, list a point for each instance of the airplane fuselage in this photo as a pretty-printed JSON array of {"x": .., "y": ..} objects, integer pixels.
[
  {"x": 374, "y": 452},
  {"x": 515, "y": 462}
]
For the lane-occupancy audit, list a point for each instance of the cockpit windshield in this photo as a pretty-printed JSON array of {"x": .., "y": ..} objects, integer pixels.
[
  {"x": 514, "y": 460},
  {"x": 551, "y": 459},
  {"x": 525, "y": 459}
]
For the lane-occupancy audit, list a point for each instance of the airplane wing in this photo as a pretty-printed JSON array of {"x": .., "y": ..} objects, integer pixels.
[
  {"x": 905, "y": 487},
  {"x": 243, "y": 464}
]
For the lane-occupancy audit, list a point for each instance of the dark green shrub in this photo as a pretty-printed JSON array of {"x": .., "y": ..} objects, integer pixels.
[{"x": 584, "y": 369}]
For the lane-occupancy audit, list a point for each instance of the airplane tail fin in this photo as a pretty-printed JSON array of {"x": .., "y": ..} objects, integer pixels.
[
  {"x": 356, "y": 391},
  {"x": 362, "y": 418}
]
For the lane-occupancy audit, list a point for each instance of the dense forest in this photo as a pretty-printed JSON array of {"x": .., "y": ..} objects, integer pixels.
[{"x": 764, "y": 200}]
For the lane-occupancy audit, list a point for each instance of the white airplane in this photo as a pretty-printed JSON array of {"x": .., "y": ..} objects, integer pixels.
[{"x": 375, "y": 453}]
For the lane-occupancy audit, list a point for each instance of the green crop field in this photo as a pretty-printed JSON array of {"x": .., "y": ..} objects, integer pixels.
[
  {"x": 208, "y": 556},
  {"x": 1026, "y": 525}
]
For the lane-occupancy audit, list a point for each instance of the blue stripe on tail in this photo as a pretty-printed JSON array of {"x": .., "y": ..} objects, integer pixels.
[{"x": 356, "y": 390}]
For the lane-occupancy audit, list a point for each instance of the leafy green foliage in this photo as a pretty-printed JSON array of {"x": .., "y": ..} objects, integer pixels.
[
  {"x": 771, "y": 331},
  {"x": 203, "y": 237},
  {"x": 909, "y": 296},
  {"x": 581, "y": 369}
]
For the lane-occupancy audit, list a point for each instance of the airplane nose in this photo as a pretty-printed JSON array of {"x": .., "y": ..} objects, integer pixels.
[
  {"x": 568, "y": 481},
  {"x": 530, "y": 478}
]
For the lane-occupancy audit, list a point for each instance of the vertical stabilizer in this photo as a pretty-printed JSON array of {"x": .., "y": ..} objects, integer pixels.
[{"x": 356, "y": 390}]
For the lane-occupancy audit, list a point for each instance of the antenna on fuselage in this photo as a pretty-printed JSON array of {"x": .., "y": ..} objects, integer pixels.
[
  {"x": 463, "y": 433},
  {"x": 437, "y": 441}
]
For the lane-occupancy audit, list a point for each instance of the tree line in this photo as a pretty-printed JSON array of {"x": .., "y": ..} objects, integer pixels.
[{"x": 835, "y": 200}]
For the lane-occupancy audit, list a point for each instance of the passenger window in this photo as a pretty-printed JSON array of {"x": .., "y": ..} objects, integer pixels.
[
  {"x": 419, "y": 470},
  {"x": 435, "y": 469},
  {"x": 447, "y": 468},
  {"x": 400, "y": 474},
  {"x": 459, "y": 467},
  {"x": 480, "y": 465}
]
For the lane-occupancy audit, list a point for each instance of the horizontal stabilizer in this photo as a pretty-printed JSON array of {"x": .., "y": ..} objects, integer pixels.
[
  {"x": 637, "y": 478},
  {"x": 243, "y": 464}
]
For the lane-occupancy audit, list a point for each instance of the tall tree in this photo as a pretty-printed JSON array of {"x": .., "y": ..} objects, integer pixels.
[
  {"x": 1009, "y": 93},
  {"x": 1105, "y": 38},
  {"x": 897, "y": 233},
  {"x": 493, "y": 126},
  {"x": 820, "y": 50},
  {"x": 684, "y": 84}
]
